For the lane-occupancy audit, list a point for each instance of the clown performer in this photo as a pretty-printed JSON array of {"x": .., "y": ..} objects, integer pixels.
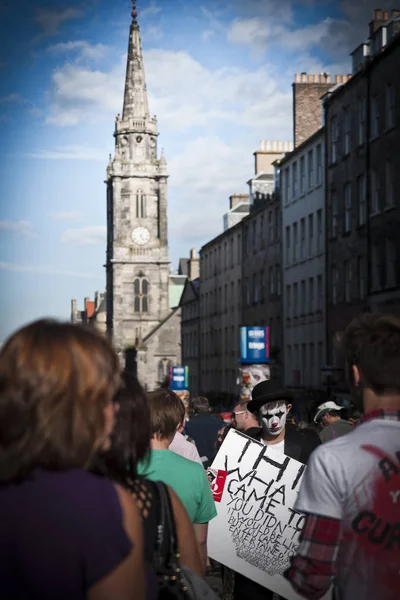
[{"x": 272, "y": 410}]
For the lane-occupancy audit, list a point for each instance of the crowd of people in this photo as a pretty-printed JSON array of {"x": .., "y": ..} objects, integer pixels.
[{"x": 87, "y": 460}]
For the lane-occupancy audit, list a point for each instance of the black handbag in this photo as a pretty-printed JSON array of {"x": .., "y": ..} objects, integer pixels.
[{"x": 175, "y": 581}]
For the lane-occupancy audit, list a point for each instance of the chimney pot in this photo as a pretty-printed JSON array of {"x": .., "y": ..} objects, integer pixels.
[
  {"x": 378, "y": 14},
  {"x": 385, "y": 15}
]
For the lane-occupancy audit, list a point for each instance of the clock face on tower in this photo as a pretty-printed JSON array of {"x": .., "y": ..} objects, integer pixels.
[{"x": 141, "y": 236}]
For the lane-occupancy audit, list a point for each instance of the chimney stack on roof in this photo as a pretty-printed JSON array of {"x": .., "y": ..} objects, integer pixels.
[
  {"x": 307, "y": 110},
  {"x": 380, "y": 18}
]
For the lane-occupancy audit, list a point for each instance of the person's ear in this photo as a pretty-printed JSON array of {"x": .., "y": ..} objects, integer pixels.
[
  {"x": 356, "y": 375},
  {"x": 288, "y": 408}
]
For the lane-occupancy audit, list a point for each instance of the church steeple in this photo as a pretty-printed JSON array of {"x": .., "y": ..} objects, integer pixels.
[
  {"x": 135, "y": 100},
  {"x": 137, "y": 231}
]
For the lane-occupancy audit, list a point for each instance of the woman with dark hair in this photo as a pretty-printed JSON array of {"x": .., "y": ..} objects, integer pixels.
[
  {"x": 130, "y": 443},
  {"x": 64, "y": 533}
]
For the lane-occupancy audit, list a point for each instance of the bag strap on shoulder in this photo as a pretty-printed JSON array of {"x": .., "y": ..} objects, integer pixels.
[{"x": 167, "y": 544}]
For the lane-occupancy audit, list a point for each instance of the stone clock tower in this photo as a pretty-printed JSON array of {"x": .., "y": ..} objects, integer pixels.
[{"x": 137, "y": 243}]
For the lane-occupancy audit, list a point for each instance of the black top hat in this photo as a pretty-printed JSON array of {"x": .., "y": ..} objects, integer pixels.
[{"x": 261, "y": 395}]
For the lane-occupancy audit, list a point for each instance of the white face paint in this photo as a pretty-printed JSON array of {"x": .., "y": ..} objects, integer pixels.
[{"x": 274, "y": 419}]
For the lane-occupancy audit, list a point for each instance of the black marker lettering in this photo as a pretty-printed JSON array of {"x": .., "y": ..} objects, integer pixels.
[{"x": 281, "y": 466}]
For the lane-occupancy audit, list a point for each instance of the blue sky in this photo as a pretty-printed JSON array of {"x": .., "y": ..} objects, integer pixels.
[{"x": 219, "y": 76}]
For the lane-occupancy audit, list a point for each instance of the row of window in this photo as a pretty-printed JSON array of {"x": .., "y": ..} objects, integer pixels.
[
  {"x": 190, "y": 310},
  {"x": 219, "y": 300},
  {"x": 303, "y": 174},
  {"x": 262, "y": 285},
  {"x": 303, "y": 363},
  {"x": 304, "y": 239},
  {"x": 379, "y": 201},
  {"x": 342, "y": 144},
  {"x": 219, "y": 342},
  {"x": 189, "y": 344},
  {"x": 222, "y": 257},
  {"x": 263, "y": 230},
  {"x": 304, "y": 297},
  {"x": 219, "y": 379},
  {"x": 349, "y": 281}
]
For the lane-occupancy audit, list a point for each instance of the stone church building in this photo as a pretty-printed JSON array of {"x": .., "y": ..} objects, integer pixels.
[{"x": 143, "y": 320}]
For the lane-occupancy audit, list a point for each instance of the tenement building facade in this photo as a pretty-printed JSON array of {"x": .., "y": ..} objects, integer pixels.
[
  {"x": 190, "y": 322},
  {"x": 303, "y": 256},
  {"x": 384, "y": 166},
  {"x": 144, "y": 329},
  {"x": 220, "y": 311},
  {"x": 362, "y": 138},
  {"x": 240, "y": 278}
]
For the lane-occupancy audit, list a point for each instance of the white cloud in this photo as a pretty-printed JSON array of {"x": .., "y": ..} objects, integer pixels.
[
  {"x": 50, "y": 20},
  {"x": 86, "y": 236},
  {"x": 66, "y": 216},
  {"x": 212, "y": 170},
  {"x": 181, "y": 90},
  {"x": 46, "y": 270},
  {"x": 80, "y": 93},
  {"x": 70, "y": 153},
  {"x": 85, "y": 49},
  {"x": 186, "y": 94},
  {"x": 24, "y": 228},
  {"x": 150, "y": 11}
]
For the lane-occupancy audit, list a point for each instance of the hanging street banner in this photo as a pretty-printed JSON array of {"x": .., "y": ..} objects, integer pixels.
[
  {"x": 179, "y": 378},
  {"x": 256, "y": 530},
  {"x": 254, "y": 345}
]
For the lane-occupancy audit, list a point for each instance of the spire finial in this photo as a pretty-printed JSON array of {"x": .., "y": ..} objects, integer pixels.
[{"x": 134, "y": 12}]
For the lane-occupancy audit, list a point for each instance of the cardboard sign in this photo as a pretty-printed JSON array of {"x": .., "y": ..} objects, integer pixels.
[{"x": 256, "y": 531}]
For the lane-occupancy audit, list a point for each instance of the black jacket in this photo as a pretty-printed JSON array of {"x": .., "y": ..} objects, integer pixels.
[
  {"x": 203, "y": 429},
  {"x": 299, "y": 443}
]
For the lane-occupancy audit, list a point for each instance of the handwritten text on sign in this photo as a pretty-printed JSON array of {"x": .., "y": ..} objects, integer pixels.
[{"x": 257, "y": 529}]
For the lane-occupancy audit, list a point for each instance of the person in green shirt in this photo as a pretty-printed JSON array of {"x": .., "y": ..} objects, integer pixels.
[{"x": 187, "y": 478}]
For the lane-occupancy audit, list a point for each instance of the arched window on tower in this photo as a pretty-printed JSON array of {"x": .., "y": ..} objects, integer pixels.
[
  {"x": 141, "y": 212},
  {"x": 141, "y": 295}
]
